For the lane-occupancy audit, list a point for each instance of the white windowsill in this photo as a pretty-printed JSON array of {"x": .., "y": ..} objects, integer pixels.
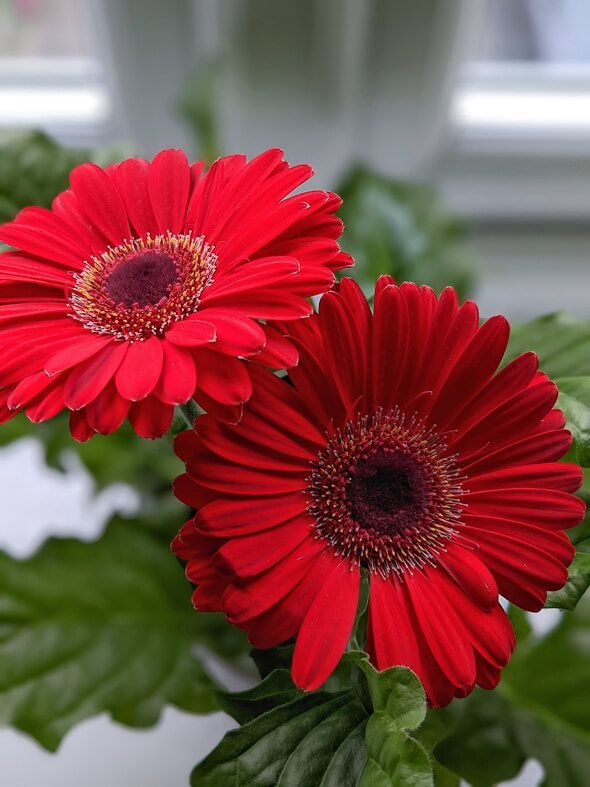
[
  {"x": 543, "y": 109},
  {"x": 65, "y": 97},
  {"x": 519, "y": 144}
]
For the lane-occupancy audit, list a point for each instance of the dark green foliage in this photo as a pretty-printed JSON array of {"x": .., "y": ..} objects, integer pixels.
[
  {"x": 402, "y": 229},
  {"x": 540, "y": 710},
  {"x": 104, "y": 626},
  {"x": 34, "y": 169},
  {"x": 337, "y": 738}
]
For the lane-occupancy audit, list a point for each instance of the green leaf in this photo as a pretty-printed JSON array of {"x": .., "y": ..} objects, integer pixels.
[
  {"x": 34, "y": 169},
  {"x": 276, "y": 689},
  {"x": 269, "y": 659},
  {"x": 399, "y": 705},
  {"x": 106, "y": 626},
  {"x": 574, "y": 400},
  {"x": 561, "y": 341},
  {"x": 401, "y": 228},
  {"x": 435, "y": 727},
  {"x": 539, "y": 710},
  {"x": 319, "y": 739},
  {"x": 577, "y": 584},
  {"x": 310, "y": 741}
]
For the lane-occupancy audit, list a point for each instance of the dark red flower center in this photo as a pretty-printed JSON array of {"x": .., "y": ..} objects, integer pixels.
[
  {"x": 140, "y": 288},
  {"x": 385, "y": 492},
  {"x": 388, "y": 492},
  {"x": 143, "y": 279}
]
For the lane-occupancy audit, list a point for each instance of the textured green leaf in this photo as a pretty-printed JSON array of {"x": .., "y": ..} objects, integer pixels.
[
  {"x": 402, "y": 229},
  {"x": 394, "y": 759},
  {"x": 561, "y": 341},
  {"x": 276, "y": 689},
  {"x": 577, "y": 584},
  {"x": 436, "y": 726},
  {"x": 539, "y": 710},
  {"x": 319, "y": 738},
  {"x": 399, "y": 705},
  {"x": 574, "y": 400},
  {"x": 306, "y": 742},
  {"x": 92, "y": 627}
]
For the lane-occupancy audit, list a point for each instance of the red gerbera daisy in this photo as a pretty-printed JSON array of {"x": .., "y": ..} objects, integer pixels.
[
  {"x": 400, "y": 451},
  {"x": 146, "y": 282}
]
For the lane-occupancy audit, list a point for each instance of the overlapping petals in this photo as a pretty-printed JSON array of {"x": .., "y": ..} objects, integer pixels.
[
  {"x": 66, "y": 344},
  {"x": 255, "y": 548}
]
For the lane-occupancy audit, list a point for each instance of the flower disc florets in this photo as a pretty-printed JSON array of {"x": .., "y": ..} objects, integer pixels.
[
  {"x": 385, "y": 492},
  {"x": 138, "y": 289}
]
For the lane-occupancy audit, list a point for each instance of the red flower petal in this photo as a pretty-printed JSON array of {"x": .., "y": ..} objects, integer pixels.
[
  {"x": 561, "y": 476},
  {"x": 249, "y": 555},
  {"x": 259, "y": 275},
  {"x": 235, "y": 335},
  {"x": 140, "y": 369},
  {"x": 91, "y": 377},
  {"x": 131, "y": 178},
  {"x": 223, "y": 441},
  {"x": 150, "y": 417},
  {"x": 393, "y": 638},
  {"x": 323, "y": 635},
  {"x": 471, "y": 372},
  {"x": 263, "y": 304},
  {"x": 471, "y": 575},
  {"x": 261, "y": 593},
  {"x": 27, "y": 389},
  {"x": 279, "y": 352},
  {"x": 226, "y": 518},
  {"x": 108, "y": 411},
  {"x": 169, "y": 180},
  {"x": 542, "y": 446},
  {"x": 435, "y": 616},
  {"x": 48, "y": 404},
  {"x": 545, "y": 507},
  {"x": 224, "y": 379},
  {"x": 42, "y": 233},
  {"x": 178, "y": 378},
  {"x": 101, "y": 202},
  {"x": 345, "y": 324},
  {"x": 191, "y": 333},
  {"x": 79, "y": 426},
  {"x": 284, "y": 620},
  {"x": 84, "y": 348}
]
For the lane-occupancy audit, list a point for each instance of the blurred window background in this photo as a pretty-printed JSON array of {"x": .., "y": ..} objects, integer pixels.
[
  {"x": 485, "y": 101},
  {"x": 45, "y": 28},
  {"x": 50, "y": 73},
  {"x": 536, "y": 31}
]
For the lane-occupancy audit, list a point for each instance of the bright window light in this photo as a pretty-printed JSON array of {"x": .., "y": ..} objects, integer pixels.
[
  {"x": 521, "y": 110},
  {"x": 46, "y": 106}
]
